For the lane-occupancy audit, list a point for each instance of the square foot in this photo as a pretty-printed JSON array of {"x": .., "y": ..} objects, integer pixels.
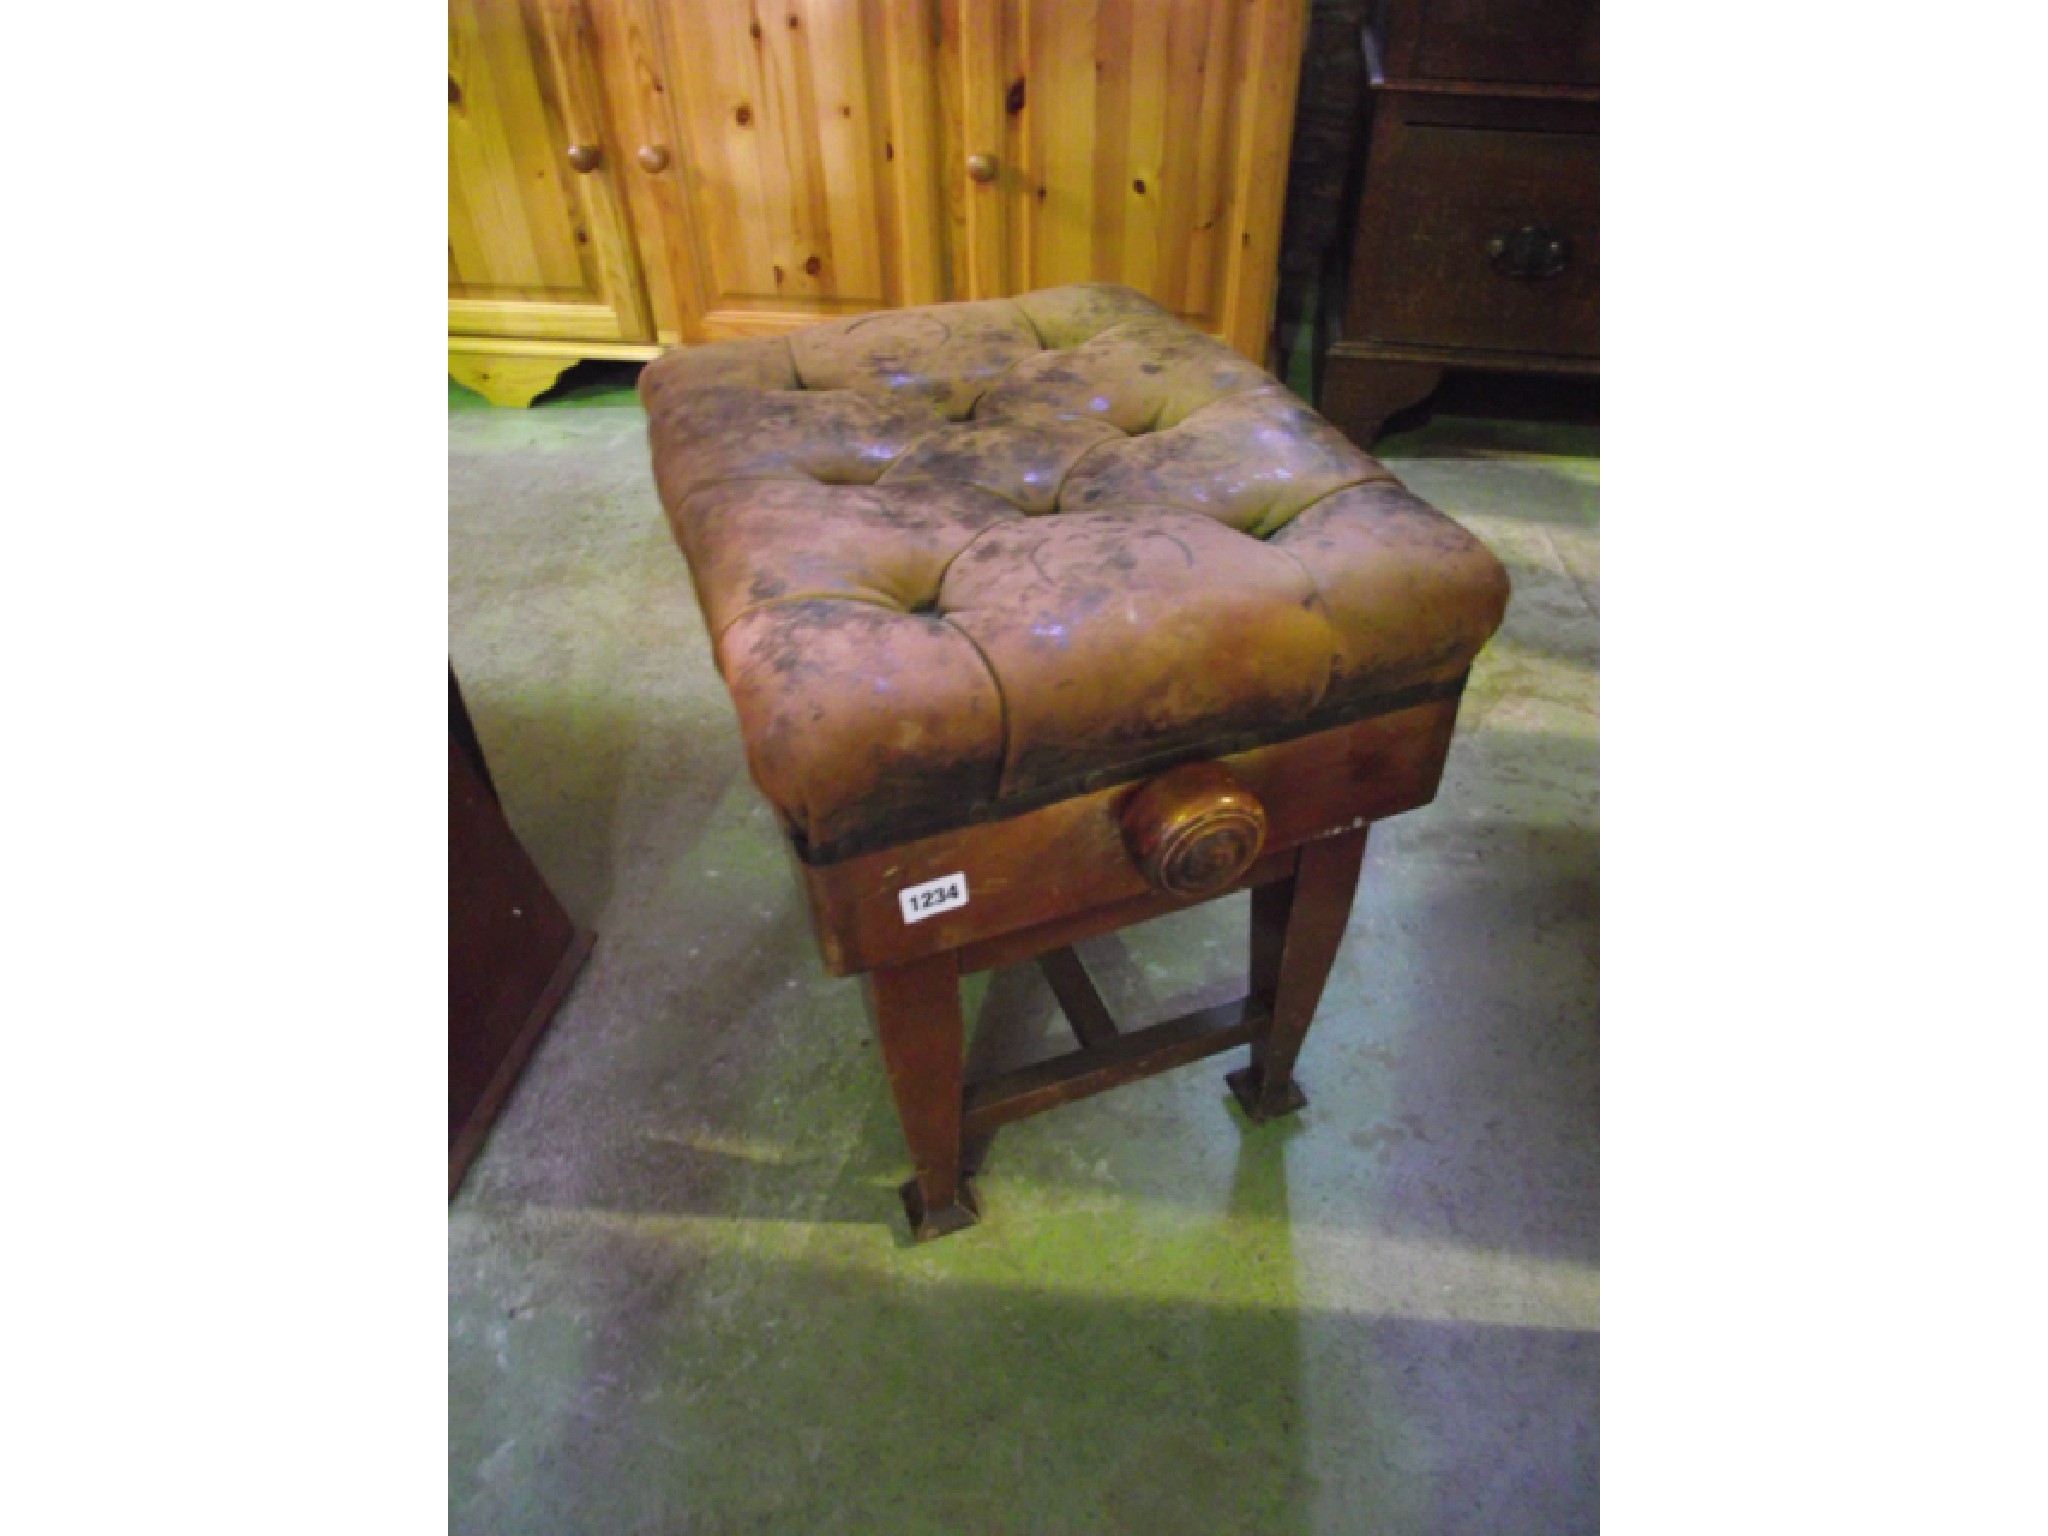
[
  {"x": 926, "y": 1225},
  {"x": 1244, "y": 1083}
]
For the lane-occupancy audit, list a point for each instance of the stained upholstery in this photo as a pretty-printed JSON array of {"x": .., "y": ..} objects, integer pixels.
[{"x": 965, "y": 558}]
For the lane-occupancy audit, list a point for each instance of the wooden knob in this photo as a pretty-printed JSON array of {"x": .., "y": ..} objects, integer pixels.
[
  {"x": 981, "y": 167},
  {"x": 1194, "y": 830},
  {"x": 653, "y": 157},
  {"x": 585, "y": 157}
]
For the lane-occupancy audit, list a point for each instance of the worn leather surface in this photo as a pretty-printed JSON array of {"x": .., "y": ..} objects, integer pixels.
[{"x": 971, "y": 556}]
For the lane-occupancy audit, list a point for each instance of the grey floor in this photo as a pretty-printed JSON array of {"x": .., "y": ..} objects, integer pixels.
[{"x": 680, "y": 1298}]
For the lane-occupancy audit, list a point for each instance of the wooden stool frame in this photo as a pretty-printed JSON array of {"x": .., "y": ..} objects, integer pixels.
[{"x": 1040, "y": 882}]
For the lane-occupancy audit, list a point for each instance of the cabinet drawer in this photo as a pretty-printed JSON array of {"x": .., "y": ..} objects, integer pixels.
[
  {"x": 1443, "y": 257},
  {"x": 1521, "y": 42}
]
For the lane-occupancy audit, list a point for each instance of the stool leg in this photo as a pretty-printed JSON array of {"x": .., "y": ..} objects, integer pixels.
[
  {"x": 916, "y": 1010},
  {"x": 1297, "y": 925}
]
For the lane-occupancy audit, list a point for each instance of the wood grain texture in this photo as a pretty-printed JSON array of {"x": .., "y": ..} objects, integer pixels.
[
  {"x": 1272, "y": 74},
  {"x": 916, "y": 1013},
  {"x": 1139, "y": 141},
  {"x": 1079, "y": 1001},
  {"x": 636, "y": 99},
  {"x": 1122, "y": 1058},
  {"x": 1443, "y": 189},
  {"x": 804, "y": 136},
  {"x": 1070, "y": 857},
  {"x": 1193, "y": 831},
  {"x": 1297, "y": 925},
  {"x": 813, "y": 160},
  {"x": 534, "y": 249},
  {"x": 534, "y": 319},
  {"x": 568, "y": 351},
  {"x": 507, "y": 380},
  {"x": 975, "y": 60},
  {"x": 1018, "y": 944},
  {"x": 1484, "y": 139}
]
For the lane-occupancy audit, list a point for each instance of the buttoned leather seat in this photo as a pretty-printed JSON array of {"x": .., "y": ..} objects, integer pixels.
[
  {"x": 963, "y": 560},
  {"x": 1048, "y": 616}
]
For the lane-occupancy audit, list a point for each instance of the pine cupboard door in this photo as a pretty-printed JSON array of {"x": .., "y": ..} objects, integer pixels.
[
  {"x": 1134, "y": 141},
  {"x": 799, "y": 179},
  {"x": 538, "y": 243}
]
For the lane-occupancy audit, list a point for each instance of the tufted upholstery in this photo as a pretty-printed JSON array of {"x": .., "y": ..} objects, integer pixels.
[{"x": 963, "y": 559}]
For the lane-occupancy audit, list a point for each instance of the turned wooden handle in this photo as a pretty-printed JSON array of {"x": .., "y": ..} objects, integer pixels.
[
  {"x": 653, "y": 157},
  {"x": 585, "y": 157},
  {"x": 1193, "y": 830}
]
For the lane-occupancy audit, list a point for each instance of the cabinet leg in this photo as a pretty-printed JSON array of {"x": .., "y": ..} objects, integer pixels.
[
  {"x": 1359, "y": 394},
  {"x": 506, "y": 380},
  {"x": 1297, "y": 925},
  {"x": 916, "y": 1010}
]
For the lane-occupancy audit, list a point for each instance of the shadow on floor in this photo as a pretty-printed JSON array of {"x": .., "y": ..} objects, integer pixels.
[
  {"x": 1475, "y": 414},
  {"x": 692, "y": 1377},
  {"x": 575, "y": 771}
]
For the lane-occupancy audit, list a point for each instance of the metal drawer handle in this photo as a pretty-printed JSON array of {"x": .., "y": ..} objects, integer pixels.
[{"x": 1530, "y": 252}]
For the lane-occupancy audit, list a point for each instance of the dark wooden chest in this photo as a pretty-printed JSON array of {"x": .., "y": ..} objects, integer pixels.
[{"x": 1477, "y": 243}]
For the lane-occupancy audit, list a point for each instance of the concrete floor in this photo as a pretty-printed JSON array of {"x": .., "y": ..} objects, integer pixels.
[{"x": 680, "y": 1295}]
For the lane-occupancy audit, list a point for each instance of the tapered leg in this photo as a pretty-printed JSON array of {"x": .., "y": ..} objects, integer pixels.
[
  {"x": 1297, "y": 925},
  {"x": 916, "y": 1009}
]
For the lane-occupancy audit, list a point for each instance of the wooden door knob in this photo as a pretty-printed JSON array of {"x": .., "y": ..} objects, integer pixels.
[
  {"x": 585, "y": 157},
  {"x": 981, "y": 167},
  {"x": 653, "y": 157},
  {"x": 1193, "y": 830}
]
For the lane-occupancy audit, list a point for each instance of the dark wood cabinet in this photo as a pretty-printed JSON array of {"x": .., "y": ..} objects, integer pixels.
[
  {"x": 1492, "y": 42},
  {"x": 1477, "y": 243},
  {"x": 512, "y": 950}
]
